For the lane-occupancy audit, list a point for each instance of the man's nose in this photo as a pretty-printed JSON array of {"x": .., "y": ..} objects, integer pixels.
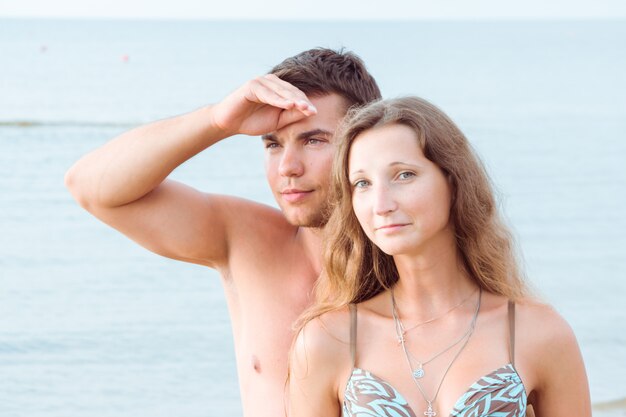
[
  {"x": 384, "y": 200},
  {"x": 291, "y": 164}
]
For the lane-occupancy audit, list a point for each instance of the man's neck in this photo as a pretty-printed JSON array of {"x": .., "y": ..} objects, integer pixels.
[{"x": 310, "y": 238}]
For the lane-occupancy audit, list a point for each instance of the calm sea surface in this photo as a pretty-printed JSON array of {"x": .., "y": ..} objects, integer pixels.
[{"x": 91, "y": 325}]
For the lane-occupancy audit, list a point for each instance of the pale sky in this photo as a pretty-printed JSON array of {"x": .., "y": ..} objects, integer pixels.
[{"x": 317, "y": 9}]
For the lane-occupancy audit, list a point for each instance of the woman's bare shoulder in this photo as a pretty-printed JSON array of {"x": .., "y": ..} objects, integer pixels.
[
  {"x": 323, "y": 341},
  {"x": 541, "y": 321},
  {"x": 544, "y": 335},
  {"x": 551, "y": 359}
]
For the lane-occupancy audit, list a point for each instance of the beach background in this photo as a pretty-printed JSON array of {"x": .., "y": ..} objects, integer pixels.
[{"x": 92, "y": 325}]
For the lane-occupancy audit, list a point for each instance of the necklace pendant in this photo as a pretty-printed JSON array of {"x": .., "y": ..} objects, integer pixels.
[
  {"x": 430, "y": 412},
  {"x": 419, "y": 372}
]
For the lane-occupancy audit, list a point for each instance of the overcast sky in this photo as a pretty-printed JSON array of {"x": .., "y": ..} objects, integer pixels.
[{"x": 316, "y": 9}]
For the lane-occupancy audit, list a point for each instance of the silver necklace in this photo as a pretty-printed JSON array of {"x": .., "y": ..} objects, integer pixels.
[
  {"x": 415, "y": 326},
  {"x": 429, "y": 411},
  {"x": 419, "y": 372}
]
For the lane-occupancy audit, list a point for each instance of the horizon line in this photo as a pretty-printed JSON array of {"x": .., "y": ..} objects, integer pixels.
[{"x": 325, "y": 19}]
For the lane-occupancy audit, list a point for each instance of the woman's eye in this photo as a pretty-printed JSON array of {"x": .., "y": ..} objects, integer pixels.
[
  {"x": 360, "y": 184},
  {"x": 406, "y": 175}
]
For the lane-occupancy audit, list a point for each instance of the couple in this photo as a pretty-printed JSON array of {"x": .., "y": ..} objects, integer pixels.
[{"x": 402, "y": 298}]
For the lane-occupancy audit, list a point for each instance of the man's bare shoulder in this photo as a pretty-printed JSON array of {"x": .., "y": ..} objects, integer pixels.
[
  {"x": 252, "y": 225},
  {"x": 260, "y": 242},
  {"x": 250, "y": 216}
]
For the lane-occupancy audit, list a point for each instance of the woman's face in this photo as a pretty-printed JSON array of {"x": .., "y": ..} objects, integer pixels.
[{"x": 401, "y": 199}]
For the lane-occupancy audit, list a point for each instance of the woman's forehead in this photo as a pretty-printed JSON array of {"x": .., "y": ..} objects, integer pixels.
[{"x": 394, "y": 140}]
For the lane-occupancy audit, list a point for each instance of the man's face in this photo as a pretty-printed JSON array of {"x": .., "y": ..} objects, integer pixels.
[{"x": 298, "y": 161}]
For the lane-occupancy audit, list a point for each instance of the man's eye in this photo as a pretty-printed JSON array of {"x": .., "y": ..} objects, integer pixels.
[
  {"x": 313, "y": 141},
  {"x": 271, "y": 145}
]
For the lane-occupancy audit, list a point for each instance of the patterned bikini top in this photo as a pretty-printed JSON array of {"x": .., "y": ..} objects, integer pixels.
[{"x": 500, "y": 393}]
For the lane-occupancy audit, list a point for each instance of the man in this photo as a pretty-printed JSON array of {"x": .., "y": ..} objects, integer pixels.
[{"x": 262, "y": 254}]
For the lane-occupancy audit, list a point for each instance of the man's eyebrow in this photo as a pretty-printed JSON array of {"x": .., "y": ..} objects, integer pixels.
[
  {"x": 304, "y": 135},
  {"x": 314, "y": 132}
]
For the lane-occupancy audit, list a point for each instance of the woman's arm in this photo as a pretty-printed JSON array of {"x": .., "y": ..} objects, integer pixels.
[
  {"x": 319, "y": 364},
  {"x": 562, "y": 389}
]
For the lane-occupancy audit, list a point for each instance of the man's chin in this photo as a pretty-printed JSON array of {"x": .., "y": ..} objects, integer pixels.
[
  {"x": 307, "y": 222},
  {"x": 313, "y": 220}
]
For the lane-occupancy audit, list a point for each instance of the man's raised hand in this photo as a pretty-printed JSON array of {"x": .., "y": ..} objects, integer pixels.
[{"x": 262, "y": 105}]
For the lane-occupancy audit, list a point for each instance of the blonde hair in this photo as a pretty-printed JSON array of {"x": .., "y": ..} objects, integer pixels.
[{"x": 355, "y": 270}]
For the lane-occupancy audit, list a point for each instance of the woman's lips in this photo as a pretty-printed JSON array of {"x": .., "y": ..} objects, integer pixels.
[{"x": 392, "y": 227}]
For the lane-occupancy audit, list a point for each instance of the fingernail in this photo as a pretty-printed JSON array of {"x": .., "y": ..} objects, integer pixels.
[{"x": 309, "y": 106}]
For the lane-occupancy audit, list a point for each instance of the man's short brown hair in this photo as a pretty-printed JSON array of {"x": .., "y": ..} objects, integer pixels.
[{"x": 322, "y": 71}]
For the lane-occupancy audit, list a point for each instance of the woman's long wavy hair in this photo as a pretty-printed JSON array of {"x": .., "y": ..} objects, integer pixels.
[{"x": 355, "y": 270}]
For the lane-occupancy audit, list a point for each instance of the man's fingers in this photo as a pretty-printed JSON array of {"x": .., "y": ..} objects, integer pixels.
[
  {"x": 306, "y": 107},
  {"x": 288, "y": 117},
  {"x": 262, "y": 93},
  {"x": 281, "y": 88},
  {"x": 289, "y": 92},
  {"x": 281, "y": 85}
]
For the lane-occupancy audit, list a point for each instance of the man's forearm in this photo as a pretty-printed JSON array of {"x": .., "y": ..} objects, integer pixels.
[{"x": 137, "y": 161}]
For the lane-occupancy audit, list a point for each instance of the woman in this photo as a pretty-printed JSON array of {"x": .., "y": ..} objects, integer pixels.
[{"x": 421, "y": 309}]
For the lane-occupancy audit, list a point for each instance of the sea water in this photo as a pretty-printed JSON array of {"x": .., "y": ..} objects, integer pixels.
[{"x": 92, "y": 325}]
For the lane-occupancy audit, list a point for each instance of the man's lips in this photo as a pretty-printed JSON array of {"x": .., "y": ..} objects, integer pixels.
[{"x": 293, "y": 195}]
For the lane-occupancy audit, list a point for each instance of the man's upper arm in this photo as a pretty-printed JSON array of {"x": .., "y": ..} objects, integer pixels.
[{"x": 179, "y": 222}]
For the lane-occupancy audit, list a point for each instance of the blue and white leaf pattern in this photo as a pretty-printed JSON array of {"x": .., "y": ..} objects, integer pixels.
[
  {"x": 498, "y": 394},
  {"x": 369, "y": 396}
]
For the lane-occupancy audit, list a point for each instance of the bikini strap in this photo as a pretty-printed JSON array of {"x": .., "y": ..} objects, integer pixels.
[
  {"x": 353, "y": 334},
  {"x": 511, "y": 314}
]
